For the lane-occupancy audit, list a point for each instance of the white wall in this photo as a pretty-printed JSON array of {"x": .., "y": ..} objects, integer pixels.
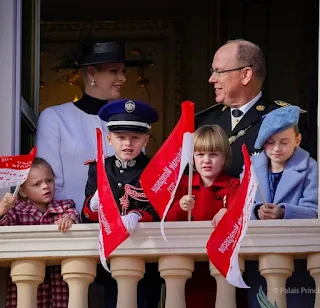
[
  {"x": 9, "y": 90},
  {"x": 9, "y": 97}
]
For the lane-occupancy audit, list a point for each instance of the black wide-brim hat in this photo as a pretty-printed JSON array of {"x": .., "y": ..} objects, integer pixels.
[
  {"x": 106, "y": 52},
  {"x": 93, "y": 53}
]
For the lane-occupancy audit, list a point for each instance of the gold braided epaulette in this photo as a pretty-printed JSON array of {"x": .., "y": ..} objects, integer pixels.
[{"x": 284, "y": 104}]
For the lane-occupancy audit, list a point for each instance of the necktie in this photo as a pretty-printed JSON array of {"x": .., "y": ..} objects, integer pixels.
[{"x": 237, "y": 113}]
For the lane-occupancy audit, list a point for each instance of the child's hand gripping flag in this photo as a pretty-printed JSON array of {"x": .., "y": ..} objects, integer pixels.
[
  {"x": 224, "y": 243},
  {"x": 14, "y": 170},
  {"x": 161, "y": 177},
  {"x": 112, "y": 230}
]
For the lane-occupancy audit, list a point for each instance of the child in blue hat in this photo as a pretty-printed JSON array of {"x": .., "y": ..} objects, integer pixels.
[
  {"x": 288, "y": 180},
  {"x": 128, "y": 123},
  {"x": 287, "y": 175}
]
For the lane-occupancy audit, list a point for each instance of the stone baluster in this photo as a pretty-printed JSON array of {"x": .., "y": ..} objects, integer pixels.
[
  {"x": 313, "y": 265},
  {"x": 276, "y": 268},
  {"x": 175, "y": 270},
  {"x": 27, "y": 275},
  {"x": 225, "y": 293},
  {"x": 127, "y": 271},
  {"x": 78, "y": 273}
]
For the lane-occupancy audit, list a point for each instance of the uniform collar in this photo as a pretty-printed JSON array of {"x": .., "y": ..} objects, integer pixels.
[
  {"x": 129, "y": 163},
  {"x": 221, "y": 181},
  {"x": 89, "y": 104},
  {"x": 248, "y": 105}
]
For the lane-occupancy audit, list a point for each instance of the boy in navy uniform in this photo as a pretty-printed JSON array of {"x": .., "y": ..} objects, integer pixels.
[{"x": 128, "y": 123}]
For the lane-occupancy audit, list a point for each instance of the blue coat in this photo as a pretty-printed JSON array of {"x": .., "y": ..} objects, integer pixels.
[{"x": 297, "y": 190}]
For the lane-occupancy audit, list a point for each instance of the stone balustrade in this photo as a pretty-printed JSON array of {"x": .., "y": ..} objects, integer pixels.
[{"x": 28, "y": 249}]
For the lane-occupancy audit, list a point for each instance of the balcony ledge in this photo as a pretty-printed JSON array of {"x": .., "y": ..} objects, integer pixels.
[{"x": 299, "y": 237}]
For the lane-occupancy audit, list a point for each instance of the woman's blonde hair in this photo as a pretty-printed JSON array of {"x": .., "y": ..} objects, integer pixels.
[{"x": 212, "y": 138}]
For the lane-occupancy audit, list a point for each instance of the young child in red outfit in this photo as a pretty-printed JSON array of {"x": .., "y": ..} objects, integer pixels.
[
  {"x": 212, "y": 192},
  {"x": 35, "y": 206},
  {"x": 212, "y": 189}
]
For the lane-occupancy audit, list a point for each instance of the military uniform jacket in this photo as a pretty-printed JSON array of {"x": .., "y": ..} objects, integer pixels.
[
  {"x": 246, "y": 130},
  {"x": 125, "y": 186}
]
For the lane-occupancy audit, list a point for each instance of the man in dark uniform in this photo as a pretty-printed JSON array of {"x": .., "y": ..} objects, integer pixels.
[
  {"x": 237, "y": 74},
  {"x": 128, "y": 123}
]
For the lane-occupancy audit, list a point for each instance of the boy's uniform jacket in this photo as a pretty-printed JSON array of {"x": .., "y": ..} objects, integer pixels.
[
  {"x": 118, "y": 176},
  {"x": 125, "y": 186}
]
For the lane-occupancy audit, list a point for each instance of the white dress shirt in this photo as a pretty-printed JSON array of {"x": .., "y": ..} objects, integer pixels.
[{"x": 244, "y": 109}]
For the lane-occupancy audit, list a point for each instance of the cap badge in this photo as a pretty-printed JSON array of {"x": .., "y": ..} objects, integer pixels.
[
  {"x": 260, "y": 107},
  {"x": 129, "y": 106}
]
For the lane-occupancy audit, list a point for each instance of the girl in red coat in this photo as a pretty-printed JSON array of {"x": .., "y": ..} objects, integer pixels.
[{"x": 212, "y": 192}]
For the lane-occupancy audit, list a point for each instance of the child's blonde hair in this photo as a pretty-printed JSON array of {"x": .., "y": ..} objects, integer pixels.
[
  {"x": 37, "y": 161},
  {"x": 212, "y": 138}
]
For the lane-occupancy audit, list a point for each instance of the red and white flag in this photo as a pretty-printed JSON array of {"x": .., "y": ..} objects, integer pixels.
[
  {"x": 224, "y": 243},
  {"x": 14, "y": 170},
  {"x": 112, "y": 230},
  {"x": 162, "y": 175}
]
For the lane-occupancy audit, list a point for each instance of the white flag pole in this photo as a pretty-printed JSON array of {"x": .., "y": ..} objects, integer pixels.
[
  {"x": 259, "y": 189},
  {"x": 190, "y": 185},
  {"x": 16, "y": 190},
  {"x": 261, "y": 194}
]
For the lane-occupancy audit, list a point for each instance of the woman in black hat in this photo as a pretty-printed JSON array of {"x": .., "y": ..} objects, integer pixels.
[{"x": 66, "y": 135}]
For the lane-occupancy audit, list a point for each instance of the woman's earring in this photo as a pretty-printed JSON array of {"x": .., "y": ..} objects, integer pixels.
[{"x": 92, "y": 83}]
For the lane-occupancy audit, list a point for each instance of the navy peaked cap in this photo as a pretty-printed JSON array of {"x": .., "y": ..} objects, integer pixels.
[
  {"x": 277, "y": 121},
  {"x": 128, "y": 115}
]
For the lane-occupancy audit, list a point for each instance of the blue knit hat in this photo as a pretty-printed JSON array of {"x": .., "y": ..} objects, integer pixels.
[{"x": 277, "y": 121}]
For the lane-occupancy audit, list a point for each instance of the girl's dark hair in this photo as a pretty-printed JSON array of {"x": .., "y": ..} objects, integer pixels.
[{"x": 296, "y": 129}]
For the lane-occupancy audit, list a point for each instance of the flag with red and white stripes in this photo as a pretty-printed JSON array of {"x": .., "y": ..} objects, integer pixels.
[
  {"x": 112, "y": 230},
  {"x": 14, "y": 170},
  {"x": 224, "y": 243},
  {"x": 161, "y": 177}
]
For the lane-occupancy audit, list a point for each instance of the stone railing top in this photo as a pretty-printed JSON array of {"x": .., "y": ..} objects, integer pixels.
[{"x": 298, "y": 237}]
